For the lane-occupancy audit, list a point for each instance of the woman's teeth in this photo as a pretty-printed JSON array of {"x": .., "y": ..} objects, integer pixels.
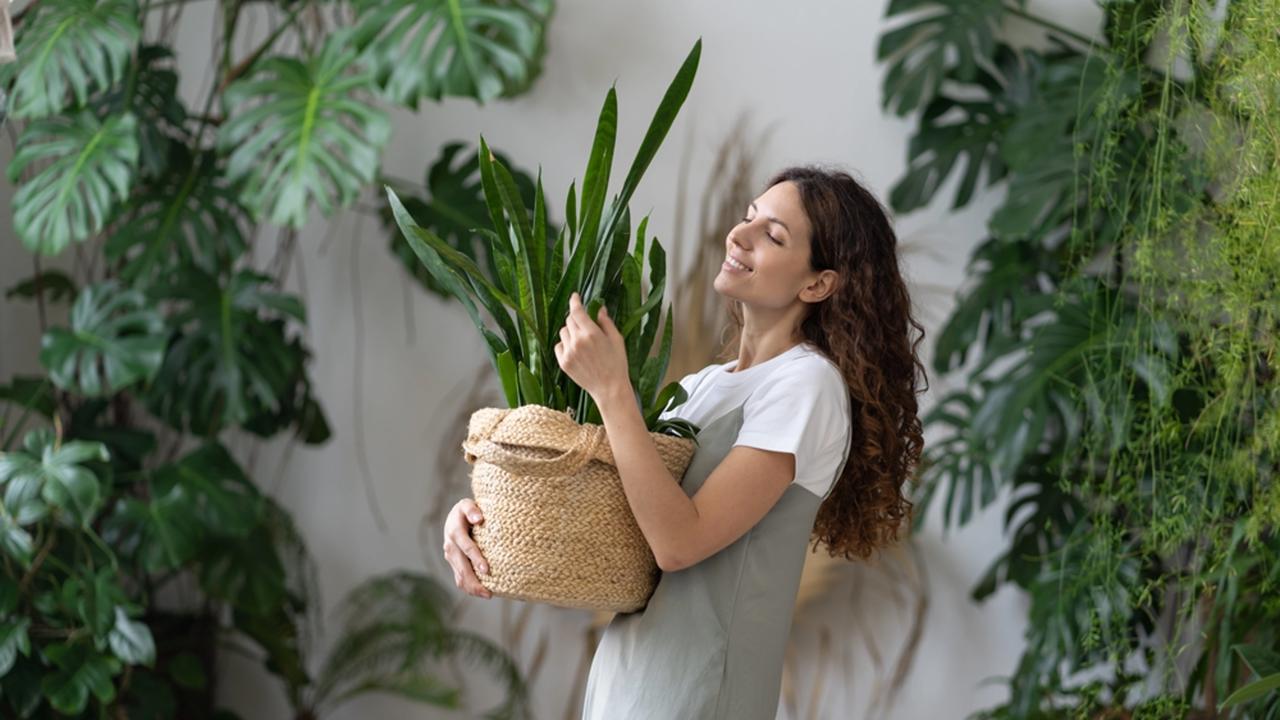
[{"x": 736, "y": 265}]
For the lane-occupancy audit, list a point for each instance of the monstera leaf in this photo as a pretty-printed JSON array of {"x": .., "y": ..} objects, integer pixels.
[
  {"x": 480, "y": 49},
  {"x": 1041, "y": 145},
  {"x": 204, "y": 494},
  {"x": 952, "y": 128},
  {"x": 69, "y": 47},
  {"x": 152, "y": 96},
  {"x": 918, "y": 51},
  {"x": 230, "y": 354},
  {"x": 454, "y": 209},
  {"x": 114, "y": 340},
  {"x": 92, "y": 168},
  {"x": 303, "y": 132},
  {"x": 190, "y": 215},
  {"x": 988, "y": 310}
]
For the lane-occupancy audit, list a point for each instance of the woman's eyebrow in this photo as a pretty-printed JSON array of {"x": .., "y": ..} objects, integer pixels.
[{"x": 770, "y": 217}]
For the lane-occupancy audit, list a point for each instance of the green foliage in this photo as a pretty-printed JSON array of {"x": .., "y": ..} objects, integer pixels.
[
  {"x": 454, "y": 208},
  {"x": 114, "y": 340},
  {"x": 395, "y": 626},
  {"x": 70, "y": 48},
  {"x": 475, "y": 48},
  {"x": 528, "y": 291},
  {"x": 1117, "y": 344},
  {"x": 303, "y": 133},
  {"x": 92, "y": 167},
  {"x": 114, "y": 480}
]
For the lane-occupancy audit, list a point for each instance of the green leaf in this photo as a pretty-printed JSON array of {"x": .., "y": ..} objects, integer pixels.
[
  {"x": 455, "y": 281},
  {"x": 13, "y": 640},
  {"x": 49, "y": 285},
  {"x": 187, "y": 671},
  {"x": 131, "y": 640},
  {"x": 14, "y": 540},
  {"x": 189, "y": 215},
  {"x": 920, "y": 51},
  {"x": 949, "y": 130},
  {"x": 91, "y": 169},
  {"x": 35, "y": 393},
  {"x": 394, "y": 632},
  {"x": 53, "y": 473},
  {"x": 70, "y": 47},
  {"x": 115, "y": 340},
  {"x": 79, "y": 671},
  {"x": 230, "y": 358},
  {"x": 303, "y": 132},
  {"x": 530, "y": 388},
  {"x": 453, "y": 208},
  {"x": 1254, "y": 690},
  {"x": 151, "y": 94},
  {"x": 481, "y": 49}
]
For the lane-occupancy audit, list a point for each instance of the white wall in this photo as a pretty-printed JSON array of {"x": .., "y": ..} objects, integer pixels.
[{"x": 808, "y": 67}]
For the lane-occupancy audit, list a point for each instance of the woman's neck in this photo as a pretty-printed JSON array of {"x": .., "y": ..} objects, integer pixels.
[{"x": 752, "y": 352}]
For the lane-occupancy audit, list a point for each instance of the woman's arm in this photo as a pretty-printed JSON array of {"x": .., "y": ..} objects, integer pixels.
[{"x": 681, "y": 530}]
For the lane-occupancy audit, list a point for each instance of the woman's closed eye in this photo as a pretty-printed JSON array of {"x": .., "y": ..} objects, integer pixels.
[{"x": 747, "y": 219}]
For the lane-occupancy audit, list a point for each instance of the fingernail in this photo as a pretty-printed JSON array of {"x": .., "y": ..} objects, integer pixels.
[
  {"x": 484, "y": 569},
  {"x": 475, "y": 517}
]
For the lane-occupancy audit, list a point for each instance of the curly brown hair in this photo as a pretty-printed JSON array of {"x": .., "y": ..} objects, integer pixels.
[{"x": 864, "y": 328}]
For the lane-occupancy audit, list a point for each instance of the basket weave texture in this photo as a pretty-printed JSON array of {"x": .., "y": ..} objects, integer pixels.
[{"x": 557, "y": 526}]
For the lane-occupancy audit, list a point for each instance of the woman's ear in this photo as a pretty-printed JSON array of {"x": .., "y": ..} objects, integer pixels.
[{"x": 824, "y": 287}]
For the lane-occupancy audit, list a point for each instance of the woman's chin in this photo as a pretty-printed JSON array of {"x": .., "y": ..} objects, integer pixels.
[{"x": 723, "y": 285}]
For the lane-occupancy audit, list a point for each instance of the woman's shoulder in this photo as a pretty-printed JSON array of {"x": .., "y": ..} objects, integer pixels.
[{"x": 811, "y": 365}]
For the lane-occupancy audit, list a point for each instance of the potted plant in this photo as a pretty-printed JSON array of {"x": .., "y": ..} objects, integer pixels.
[{"x": 531, "y": 551}]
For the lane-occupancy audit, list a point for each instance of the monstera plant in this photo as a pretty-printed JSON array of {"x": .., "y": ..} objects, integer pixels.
[
  {"x": 1117, "y": 341},
  {"x": 133, "y": 541}
]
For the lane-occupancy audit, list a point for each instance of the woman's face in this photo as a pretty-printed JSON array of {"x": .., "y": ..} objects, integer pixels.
[{"x": 772, "y": 240}]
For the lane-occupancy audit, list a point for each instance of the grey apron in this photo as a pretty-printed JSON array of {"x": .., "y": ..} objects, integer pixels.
[{"x": 710, "y": 642}]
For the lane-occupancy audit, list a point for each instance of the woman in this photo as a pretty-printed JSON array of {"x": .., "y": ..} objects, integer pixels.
[{"x": 808, "y": 436}]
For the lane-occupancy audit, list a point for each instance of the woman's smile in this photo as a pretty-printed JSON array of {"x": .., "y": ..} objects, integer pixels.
[{"x": 735, "y": 267}]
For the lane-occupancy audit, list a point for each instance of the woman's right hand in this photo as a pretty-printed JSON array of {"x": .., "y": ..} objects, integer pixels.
[{"x": 461, "y": 551}]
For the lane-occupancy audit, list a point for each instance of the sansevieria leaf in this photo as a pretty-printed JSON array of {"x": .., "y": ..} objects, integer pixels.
[
  {"x": 114, "y": 340},
  {"x": 464, "y": 48},
  {"x": 68, "y": 49},
  {"x": 303, "y": 132},
  {"x": 92, "y": 168}
]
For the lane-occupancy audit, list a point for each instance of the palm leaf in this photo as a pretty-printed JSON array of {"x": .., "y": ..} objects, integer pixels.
[
  {"x": 467, "y": 48},
  {"x": 302, "y": 133},
  {"x": 91, "y": 169},
  {"x": 70, "y": 48}
]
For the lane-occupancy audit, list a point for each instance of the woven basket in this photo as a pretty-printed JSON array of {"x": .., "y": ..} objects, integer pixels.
[{"x": 557, "y": 526}]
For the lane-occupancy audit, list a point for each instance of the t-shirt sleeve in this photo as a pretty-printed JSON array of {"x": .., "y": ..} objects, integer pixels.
[{"x": 803, "y": 412}]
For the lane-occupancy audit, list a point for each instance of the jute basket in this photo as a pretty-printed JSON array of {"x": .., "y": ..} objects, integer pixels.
[{"x": 557, "y": 526}]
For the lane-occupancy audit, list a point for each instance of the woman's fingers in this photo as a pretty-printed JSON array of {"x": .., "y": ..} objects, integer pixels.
[
  {"x": 461, "y": 551},
  {"x": 463, "y": 575}
]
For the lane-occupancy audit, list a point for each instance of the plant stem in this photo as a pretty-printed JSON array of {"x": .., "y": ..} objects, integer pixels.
[
  {"x": 243, "y": 66},
  {"x": 1051, "y": 26}
]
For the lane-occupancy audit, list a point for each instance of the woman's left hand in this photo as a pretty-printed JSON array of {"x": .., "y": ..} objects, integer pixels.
[{"x": 594, "y": 356}]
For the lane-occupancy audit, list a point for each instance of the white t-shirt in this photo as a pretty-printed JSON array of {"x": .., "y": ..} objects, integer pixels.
[{"x": 796, "y": 402}]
